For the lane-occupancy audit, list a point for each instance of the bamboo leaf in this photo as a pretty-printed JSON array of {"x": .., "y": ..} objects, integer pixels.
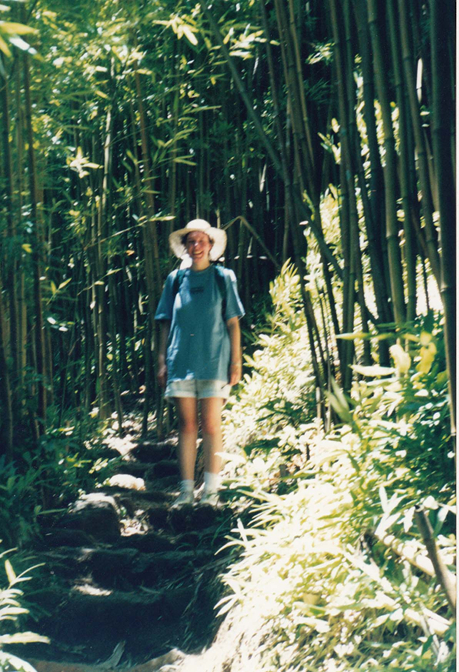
[
  {"x": 12, "y": 28},
  {"x": 185, "y": 161},
  {"x": 353, "y": 336},
  {"x": 64, "y": 284},
  {"x": 22, "y": 44},
  {"x": 189, "y": 34},
  {"x": 374, "y": 370},
  {"x": 10, "y": 573},
  {"x": 4, "y": 47},
  {"x": 23, "y": 638}
]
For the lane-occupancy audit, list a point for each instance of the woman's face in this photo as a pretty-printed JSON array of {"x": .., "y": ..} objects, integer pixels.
[{"x": 198, "y": 246}]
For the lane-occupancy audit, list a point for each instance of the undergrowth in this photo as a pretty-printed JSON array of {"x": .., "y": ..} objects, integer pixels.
[
  {"x": 327, "y": 560},
  {"x": 12, "y": 609},
  {"x": 38, "y": 484}
]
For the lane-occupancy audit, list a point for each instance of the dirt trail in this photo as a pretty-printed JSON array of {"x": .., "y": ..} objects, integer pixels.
[{"x": 128, "y": 582}]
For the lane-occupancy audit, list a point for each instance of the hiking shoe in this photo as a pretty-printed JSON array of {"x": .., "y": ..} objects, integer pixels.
[
  {"x": 210, "y": 498},
  {"x": 184, "y": 497}
]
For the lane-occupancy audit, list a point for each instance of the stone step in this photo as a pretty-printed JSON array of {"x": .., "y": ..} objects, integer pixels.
[
  {"x": 164, "y": 484},
  {"x": 149, "y": 623},
  {"x": 149, "y": 542},
  {"x": 124, "y": 568},
  {"x": 154, "y": 451},
  {"x": 162, "y": 469}
]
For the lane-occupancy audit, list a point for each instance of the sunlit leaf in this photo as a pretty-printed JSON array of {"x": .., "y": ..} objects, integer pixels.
[
  {"x": 10, "y": 573},
  {"x": 353, "y": 336},
  {"x": 189, "y": 34},
  {"x": 374, "y": 370},
  {"x": 23, "y": 638}
]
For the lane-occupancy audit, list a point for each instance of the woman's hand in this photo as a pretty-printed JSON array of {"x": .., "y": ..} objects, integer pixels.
[
  {"x": 162, "y": 374},
  {"x": 235, "y": 372}
]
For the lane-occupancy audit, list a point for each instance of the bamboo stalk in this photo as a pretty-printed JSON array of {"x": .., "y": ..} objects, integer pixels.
[
  {"x": 259, "y": 240},
  {"x": 423, "y": 168},
  {"x": 11, "y": 263},
  {"x": 6, "y": 445},
  {"x": 22, "y": 307},
  {"x": 409, "y": 246},
  {"x": 395, "y": 265},
  {"x": 444, "y": 577},
  {"x": 267, "y": 143},
  {"x": 375, "y": 223},
  {"x": 443, "y": 121},
  {"x": 302, "y": 98},
  {"x": 36, "y": 250}
]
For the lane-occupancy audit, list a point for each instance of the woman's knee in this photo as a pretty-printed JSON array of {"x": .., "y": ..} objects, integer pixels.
[
  {"x": 187, "y": 415},
  {"x": 211, "y": 424},
  {"x": 211, "y": 416},
  {"x": 188, "y": 425}
]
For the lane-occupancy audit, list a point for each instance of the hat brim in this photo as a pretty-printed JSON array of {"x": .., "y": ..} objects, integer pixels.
[{"x": 217, "y": 235}]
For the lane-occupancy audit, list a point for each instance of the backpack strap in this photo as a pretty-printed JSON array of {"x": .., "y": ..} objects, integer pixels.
[
  {"x": 221, "y": 284},
  {"x": 177, "y": 282}
]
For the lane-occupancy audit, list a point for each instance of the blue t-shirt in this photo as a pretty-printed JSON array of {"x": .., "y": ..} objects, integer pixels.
[{"x": 199, "y": 345}]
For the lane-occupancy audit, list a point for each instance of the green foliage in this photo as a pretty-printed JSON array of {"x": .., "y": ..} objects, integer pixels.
[
  {"x": 11, "y": 610},
  {"x": 329, "y": 594},
  {"x": 43, "y": 482},
  {"x": 271, "y": 411}
]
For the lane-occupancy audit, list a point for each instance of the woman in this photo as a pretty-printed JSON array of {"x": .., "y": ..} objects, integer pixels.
[{"x": 200, "y": 349}]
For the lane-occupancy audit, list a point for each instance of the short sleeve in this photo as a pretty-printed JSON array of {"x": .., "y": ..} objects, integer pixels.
[
  {"x": 234, "y": 307},
  {"x": 166, "y": 302}
]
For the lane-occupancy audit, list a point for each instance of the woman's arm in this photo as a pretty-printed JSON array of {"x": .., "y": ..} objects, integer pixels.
[
  {"x": 235, "y": 367},
  {"x": 161, "y": 375}
]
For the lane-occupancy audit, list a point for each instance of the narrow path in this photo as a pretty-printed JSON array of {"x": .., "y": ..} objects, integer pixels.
[{"x": 127, "y": 579}]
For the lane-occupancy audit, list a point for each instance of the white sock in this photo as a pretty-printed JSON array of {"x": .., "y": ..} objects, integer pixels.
[
  {"x": 187, "y": 485},
  {"x": 211, "y": 482}
]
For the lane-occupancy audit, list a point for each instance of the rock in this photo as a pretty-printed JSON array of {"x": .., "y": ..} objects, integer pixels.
[
  {"x": 126, "y": 481},
  {"x": 103, "y": 619},
  {"x": 153, "y": 451},
  {"x": 95, "y": 514}
]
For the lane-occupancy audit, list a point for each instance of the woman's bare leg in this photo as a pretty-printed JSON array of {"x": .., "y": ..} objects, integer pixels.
[
  {"x": 212, "y": 441},
  {"x": 187, "y": 411}
]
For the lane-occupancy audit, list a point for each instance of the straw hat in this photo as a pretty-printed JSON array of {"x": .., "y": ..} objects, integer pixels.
[{"x": 217, "y": 236}]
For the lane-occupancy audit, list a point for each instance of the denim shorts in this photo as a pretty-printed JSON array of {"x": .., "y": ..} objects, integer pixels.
[{"x": 200, "y": 389}]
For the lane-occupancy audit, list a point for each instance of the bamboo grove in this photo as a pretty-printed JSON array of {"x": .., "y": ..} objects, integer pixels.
[{"x": 123, "y": 120}]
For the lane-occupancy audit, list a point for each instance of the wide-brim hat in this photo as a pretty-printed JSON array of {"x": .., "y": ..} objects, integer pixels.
[{"x": 217, "y": 236}]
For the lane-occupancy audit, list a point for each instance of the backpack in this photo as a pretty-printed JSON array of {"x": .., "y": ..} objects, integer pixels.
[{"x": 221, "y": 284}]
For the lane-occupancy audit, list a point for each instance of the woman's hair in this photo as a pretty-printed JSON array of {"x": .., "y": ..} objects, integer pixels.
[{"x": 185, "y": 236}]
